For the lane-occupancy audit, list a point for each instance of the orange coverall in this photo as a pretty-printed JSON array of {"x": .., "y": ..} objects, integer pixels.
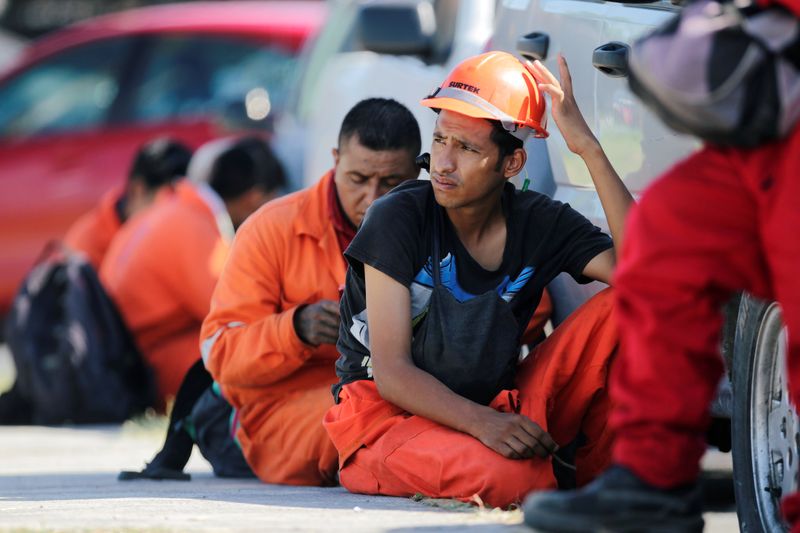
[
  {"x": 561, "y": 386},
  {"x": 161, "y": 269},
  {"x": 284, "y": 255},
  {"x": 93, "y": 231}
]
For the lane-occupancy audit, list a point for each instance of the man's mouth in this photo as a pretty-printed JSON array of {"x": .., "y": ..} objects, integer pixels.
[{"x": 441, "y": 182}]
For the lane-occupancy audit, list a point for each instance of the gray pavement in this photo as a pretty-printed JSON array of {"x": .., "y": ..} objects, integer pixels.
[{"x": 65, "y": 479}]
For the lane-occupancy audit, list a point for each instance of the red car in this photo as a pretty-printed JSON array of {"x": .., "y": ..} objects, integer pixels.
[{"x": 80, "y": 101}]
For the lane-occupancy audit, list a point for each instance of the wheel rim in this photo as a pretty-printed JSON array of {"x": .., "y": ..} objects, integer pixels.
[{"x": 775, "y": 458}]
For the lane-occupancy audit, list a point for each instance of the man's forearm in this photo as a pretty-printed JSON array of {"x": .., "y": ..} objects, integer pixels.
[
  {"x": 614, "y": 195},
  {"x": 257, "y": 354},
  {"x": 419, "y": 393}
]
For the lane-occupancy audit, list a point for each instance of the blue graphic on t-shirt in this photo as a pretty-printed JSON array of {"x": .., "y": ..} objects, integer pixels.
[
  {"x": 448, "y": 273},
  {"x": 421, "y": 289}
]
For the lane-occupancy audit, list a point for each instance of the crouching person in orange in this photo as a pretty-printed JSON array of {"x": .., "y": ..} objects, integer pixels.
[
  {"x": 157, "y": 164},
  {"x": 269, "y": 339},
  {"x": 444, "y": 275},
  {"x": 162, "y": 266}
]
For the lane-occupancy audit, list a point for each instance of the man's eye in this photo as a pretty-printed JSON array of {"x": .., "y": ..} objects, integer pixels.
[{"x": 438, "y": 140}]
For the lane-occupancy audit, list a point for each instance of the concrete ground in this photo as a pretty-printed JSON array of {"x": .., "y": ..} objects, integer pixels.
[{"x": 64, "y": 479}]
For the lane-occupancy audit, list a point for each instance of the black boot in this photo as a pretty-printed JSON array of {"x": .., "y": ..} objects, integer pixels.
[
  {"x": 15, "y": 409},
  {"x": 617, "y": 501},
  {"x": 170, "y": 461}
]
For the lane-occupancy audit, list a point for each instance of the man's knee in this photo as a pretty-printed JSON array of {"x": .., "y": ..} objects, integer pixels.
[{"x": 508, "y": 481}]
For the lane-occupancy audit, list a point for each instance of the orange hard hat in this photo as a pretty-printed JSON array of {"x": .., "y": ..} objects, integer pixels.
[{"x": 494, "y": 86}]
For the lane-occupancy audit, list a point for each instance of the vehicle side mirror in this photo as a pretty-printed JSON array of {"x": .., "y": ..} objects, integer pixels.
[{"x": 399, "y": 28}]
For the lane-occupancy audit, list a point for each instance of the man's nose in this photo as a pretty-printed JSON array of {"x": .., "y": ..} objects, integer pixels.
[
  {"x": 372, "y": 192},
  {"x": 443, "y": 162}
]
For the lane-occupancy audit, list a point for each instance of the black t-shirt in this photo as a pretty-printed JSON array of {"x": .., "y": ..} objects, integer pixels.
[{"x": 544, "y": 238}]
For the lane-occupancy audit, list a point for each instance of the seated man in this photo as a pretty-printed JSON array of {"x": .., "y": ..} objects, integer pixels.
[
  {"x": 157, "y": 164},
  {"x": 162, "y": 266},
  {"x": 269, "y": 338},
  {"x": 444, "y": 275}
]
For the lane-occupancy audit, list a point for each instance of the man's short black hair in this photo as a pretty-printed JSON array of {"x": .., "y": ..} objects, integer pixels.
[
  {"x": 246, "y": 164},
  {"x": 160, "y": 162},
  {"x": 505, "y": 142},
  {"x": 382, "y": 124}
]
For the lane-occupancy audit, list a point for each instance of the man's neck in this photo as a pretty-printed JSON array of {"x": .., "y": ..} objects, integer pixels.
[
  {"x": 482, "y": 231},
  {"x": 473, "y": 222}
]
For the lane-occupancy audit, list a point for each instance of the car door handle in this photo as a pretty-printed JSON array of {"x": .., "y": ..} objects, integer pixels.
[
  {"x": 611, "y": 59},
  {"x": 533, "y": 46}
]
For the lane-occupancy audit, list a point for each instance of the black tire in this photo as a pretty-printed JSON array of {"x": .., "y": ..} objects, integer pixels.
[{"x": 765, "y": 430}]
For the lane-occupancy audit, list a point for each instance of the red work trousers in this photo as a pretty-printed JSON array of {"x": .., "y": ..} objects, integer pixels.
[
  {"x": 561, "y": 386},
  {"x": 722, "y": 221}
]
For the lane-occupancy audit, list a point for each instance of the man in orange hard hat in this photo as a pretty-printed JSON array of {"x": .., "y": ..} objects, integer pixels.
[{"x": 445, "y": 275}]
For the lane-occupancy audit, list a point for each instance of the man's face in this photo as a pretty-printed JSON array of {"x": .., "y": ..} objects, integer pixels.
[
  {"x": 363, "y": 175},
  {"x": 246, "y": 204},
  {"x": 464, "y": 160}
]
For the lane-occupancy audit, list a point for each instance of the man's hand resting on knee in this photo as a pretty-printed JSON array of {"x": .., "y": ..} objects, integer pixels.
[{"x": 513, "y": 435}]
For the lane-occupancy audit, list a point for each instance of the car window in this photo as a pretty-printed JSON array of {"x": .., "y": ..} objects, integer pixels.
[
  {"x": 73, "y": 90},
  {"x": 187, "y": 76}
]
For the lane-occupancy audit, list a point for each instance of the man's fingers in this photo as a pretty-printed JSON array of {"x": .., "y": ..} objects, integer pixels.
[
  {"x": 532, "y": 444},
  {"x": 542, "y": 437},
  {"x": 548, "y": 442},
  {"x": 522, "y": 448},
  {"x": 554, "y": 91},
  {"x": 329, "y": 320},
  {"x": 544, "y": 72},
  {"x": 327, "y": 337},
  {"x": 507, "y": 451},
  {"x": 329, "y": 306},
  {"x": 541, "y": 451},
  {"x": 563, "y": 70},
  {"x": 328, "y": 330}
]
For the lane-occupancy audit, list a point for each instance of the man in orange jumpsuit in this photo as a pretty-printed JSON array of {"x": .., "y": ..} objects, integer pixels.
[
  {"x": 269, "y": 338},
  {"x": 157, "y": 164},
  {"x": 444, "y": 276},
  {"x": 162, "y": 266}
]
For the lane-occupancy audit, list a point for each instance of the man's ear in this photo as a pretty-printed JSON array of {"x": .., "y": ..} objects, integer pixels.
[
  {"x": 514, "y": 163},
  {"x": 335, "y": 153}
]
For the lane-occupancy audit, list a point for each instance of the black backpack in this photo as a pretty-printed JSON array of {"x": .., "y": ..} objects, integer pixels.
[{"x": 76, "y": 361}]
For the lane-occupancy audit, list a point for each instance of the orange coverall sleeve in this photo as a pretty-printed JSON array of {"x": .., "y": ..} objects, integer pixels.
[
  {"x": 195, "y": 263},
  {"x": 248, "y": 339}
]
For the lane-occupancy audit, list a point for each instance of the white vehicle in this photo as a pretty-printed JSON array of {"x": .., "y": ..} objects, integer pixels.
[
  {"x": 594, "y": 36},
  {"x": 399, "y": 49}
]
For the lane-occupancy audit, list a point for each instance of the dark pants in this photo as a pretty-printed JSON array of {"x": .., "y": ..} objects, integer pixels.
[
  {"x": 201, "y": 416},
  {"x": 211, "y": 426}
]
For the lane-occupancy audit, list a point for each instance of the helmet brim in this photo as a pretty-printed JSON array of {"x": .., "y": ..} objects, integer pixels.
[
  {"x": 451, "y": 104},
  {"x": 465, "y": 108}
]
